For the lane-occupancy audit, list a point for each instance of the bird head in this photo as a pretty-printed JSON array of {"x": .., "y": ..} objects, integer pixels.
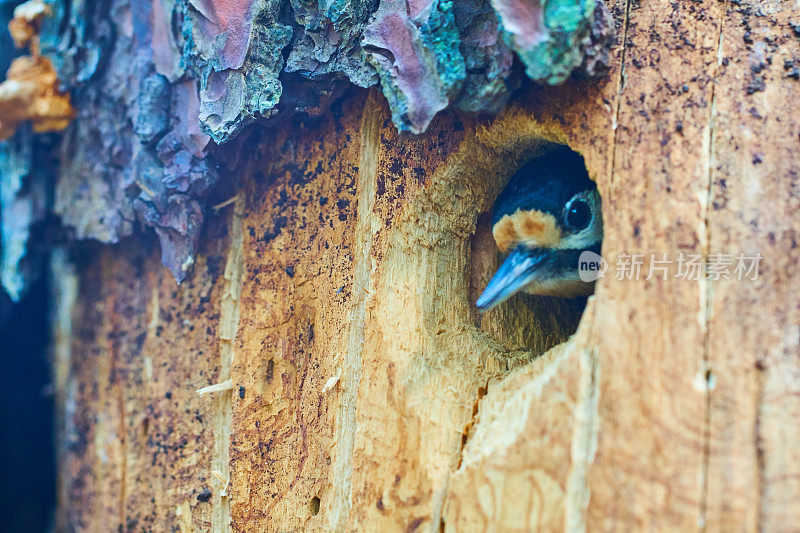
[{"x": 547, "y": 215}]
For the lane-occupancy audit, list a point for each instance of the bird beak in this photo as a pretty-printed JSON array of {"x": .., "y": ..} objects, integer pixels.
[{"x": 519, "y": 269}]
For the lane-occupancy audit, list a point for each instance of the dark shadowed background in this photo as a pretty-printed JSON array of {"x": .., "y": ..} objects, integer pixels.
[{"x": 27, "y": 457}]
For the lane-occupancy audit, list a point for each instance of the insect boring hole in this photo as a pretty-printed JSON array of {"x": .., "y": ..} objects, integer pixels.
[
  {"x": 536, "y": 254},
  {"x": 313, "y": 506}
]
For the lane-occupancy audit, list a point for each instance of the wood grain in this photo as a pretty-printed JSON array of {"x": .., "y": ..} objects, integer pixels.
[{"x": 359, "y": 389}]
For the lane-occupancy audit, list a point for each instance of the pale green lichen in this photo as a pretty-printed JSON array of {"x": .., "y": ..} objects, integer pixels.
[
  {"x": 549, "y": 41},
  {"x": 235, "y": 91},
  {"x": 417, "y": 58}
]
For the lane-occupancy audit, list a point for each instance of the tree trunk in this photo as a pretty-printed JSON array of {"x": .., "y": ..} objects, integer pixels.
[{"x": 324, "y": 367}]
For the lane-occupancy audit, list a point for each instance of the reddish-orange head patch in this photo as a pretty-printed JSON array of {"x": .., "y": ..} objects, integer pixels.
[{"x": 533, "y": 228}]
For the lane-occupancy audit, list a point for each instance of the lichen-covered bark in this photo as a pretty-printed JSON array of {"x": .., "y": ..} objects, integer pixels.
[
  {"x": 159, "y": 85},
  {"x": 416, "y": 54},
  {"x": 235, "y": 48}
]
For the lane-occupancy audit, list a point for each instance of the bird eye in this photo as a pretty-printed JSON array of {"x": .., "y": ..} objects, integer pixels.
[{"x": 578, "y": 215}]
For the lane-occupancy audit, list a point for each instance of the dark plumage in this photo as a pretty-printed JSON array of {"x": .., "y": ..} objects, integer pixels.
[
  {"x": 547, "y": 215},
  {"x": 545, "y": 184}
]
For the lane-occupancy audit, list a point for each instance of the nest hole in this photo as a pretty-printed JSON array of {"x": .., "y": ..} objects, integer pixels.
[{"x": 528, "y": 322}]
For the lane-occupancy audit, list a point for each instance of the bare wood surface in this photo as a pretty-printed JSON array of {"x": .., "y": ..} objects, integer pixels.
[{"x": 354, "y": 387}]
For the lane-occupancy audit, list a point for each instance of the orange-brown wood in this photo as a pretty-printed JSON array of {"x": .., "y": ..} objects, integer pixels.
[{"x": 325, "y": 367}]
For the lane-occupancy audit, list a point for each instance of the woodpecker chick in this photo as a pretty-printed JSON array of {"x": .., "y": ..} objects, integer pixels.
[{"x": 548, "y": 214}]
